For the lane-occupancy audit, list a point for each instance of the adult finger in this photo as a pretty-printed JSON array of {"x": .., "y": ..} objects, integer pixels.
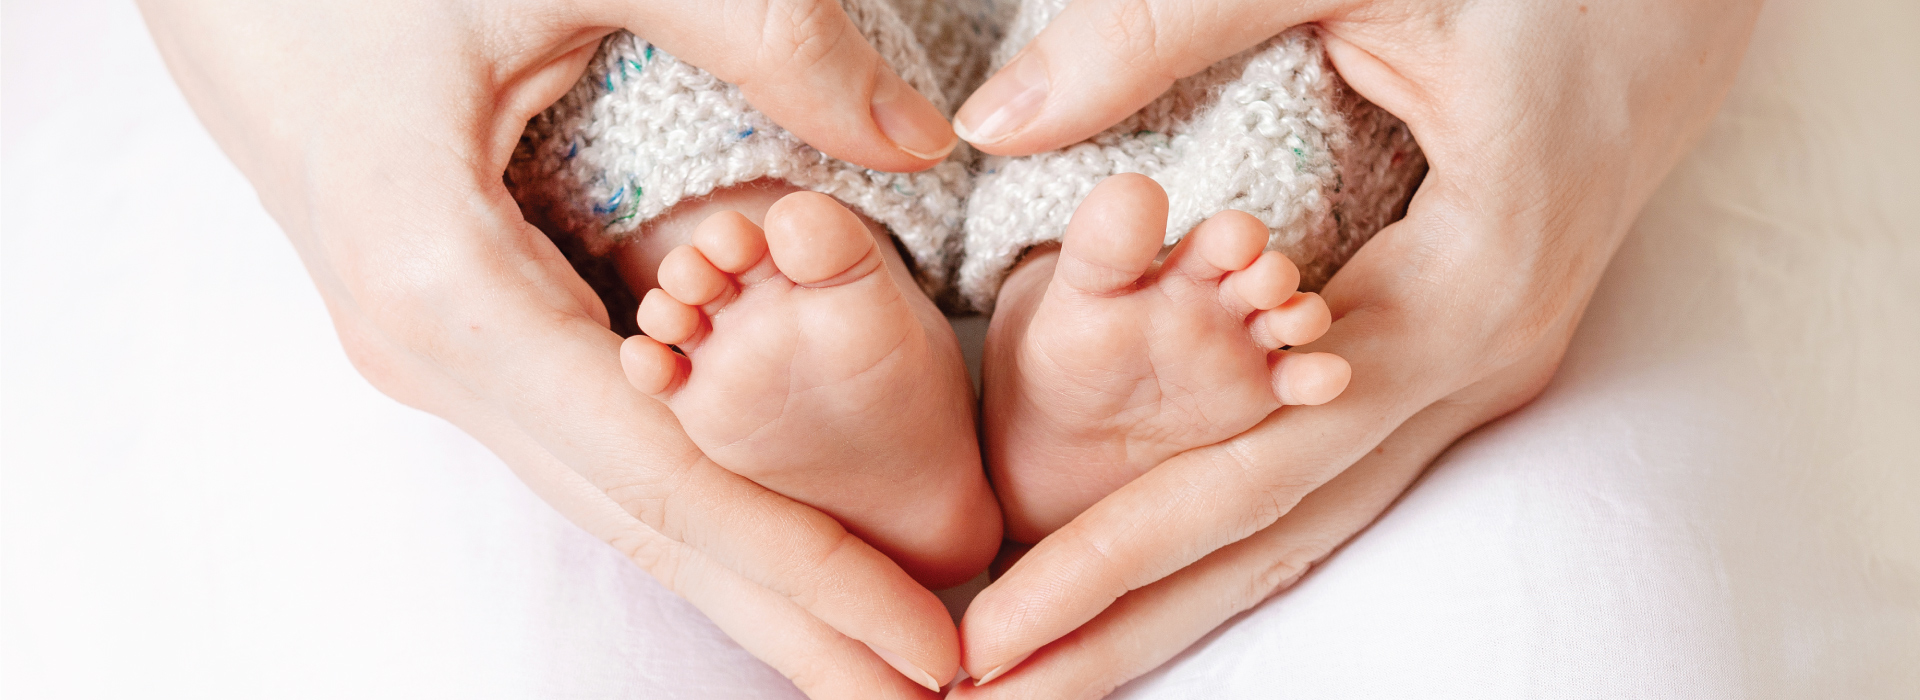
[
  {"x": 1149, "y": 626},
  {"x": 1412, "y": 337},
  {"x": 818, "y": 659},
  {"x": 497, "y": 316},
  {"x": 779, "y": 544},
  {"x": 1101, "y": 60},
  {"x": 808, "y": 67},
  {"x": 1183, "y": 509}
]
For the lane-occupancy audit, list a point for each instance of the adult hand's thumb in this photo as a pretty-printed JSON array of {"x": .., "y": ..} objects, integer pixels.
[
  {"x": 1102, "y": 60},
  {"x": 807, "y": 67}
]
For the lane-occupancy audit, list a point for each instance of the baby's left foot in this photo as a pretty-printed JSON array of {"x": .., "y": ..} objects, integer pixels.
[
  {"x": 815, "y": 366},
  {"x": 1102, "y": 363}
]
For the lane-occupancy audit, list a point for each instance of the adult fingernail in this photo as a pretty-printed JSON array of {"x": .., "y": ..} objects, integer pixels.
[
  {"x": 906, "y": 668},
  {"x": 1002, "y": 669},
  {"x": 1007, "y": 102},
  {"x": 906, "y": 117}
]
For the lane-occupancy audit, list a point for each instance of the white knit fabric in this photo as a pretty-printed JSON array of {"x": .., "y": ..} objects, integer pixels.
[
  {"x": 643, "y": 131},
  {"x": 1272, "y": 132}
]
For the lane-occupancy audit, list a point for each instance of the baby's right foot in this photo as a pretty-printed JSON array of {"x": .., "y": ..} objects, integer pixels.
[
  {"x": 1101, "y": 364},
  {"x": 815, "y": 366}
]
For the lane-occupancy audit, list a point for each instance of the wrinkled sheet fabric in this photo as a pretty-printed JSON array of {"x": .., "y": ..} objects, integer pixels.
[{"x": 1719, "y": 496}]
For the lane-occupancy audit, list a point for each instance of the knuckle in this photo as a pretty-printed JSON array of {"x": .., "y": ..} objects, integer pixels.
[
  {"x": 654, "y": 554},
  {"x": 1273, "y": 578},
  {"x": 1109, "y": 576},
  {"x": 1023, "y": 614},
  {"x": 820, "y": 675},
  {"x": 649, "y": 495},
  {"x": 1270, "y": 493},
  {"x": 812, "y": 681},
  {"x": 1130, "y": 29},
  {"x": 1099, "y": 573},
  {"x": 797, "y": 37},
  {"x": 1143, "y": 39},
  {"x": 804, "y": 571},
  {"x": 1129, "y": 640}
]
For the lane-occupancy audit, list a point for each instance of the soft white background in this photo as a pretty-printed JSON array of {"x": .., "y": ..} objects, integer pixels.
[{"x": 1719, "y": 497}]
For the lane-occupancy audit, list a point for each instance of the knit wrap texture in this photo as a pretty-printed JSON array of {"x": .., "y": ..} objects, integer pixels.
[
  {"x": 1272, "y": 132},
  {"x": 642, "y": 131}
]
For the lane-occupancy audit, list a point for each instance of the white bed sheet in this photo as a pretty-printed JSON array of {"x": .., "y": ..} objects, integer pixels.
[{"x": 1719, "y": 496}]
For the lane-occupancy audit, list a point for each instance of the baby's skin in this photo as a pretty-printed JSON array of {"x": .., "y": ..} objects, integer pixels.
[
  {"x": 1102, "y": 362},
  {"x": 811, "y": 363},
  {"x": 815, "y": 366}
]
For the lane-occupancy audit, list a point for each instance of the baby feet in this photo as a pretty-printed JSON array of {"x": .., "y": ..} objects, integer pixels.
[
  {"x": 1101, "y": 364},
  {"x": 814, "y": 366}
]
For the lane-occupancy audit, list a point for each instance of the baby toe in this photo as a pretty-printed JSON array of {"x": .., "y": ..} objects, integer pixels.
[
  {"x": 1114, "y": 235},
  {"x": 1228, "y": 242},
  {"x": 731, "y": 242},
  {"x": 651, "y": 366},
  {"x": 814, "y": 240},
  {"x": 666, "y": 319},
  {"x": 1301, "y": 320},
  {"x": 1309, "y": 379},
  {"x": 1266, "y": 284},
  {"x": 687, "y": 275}
]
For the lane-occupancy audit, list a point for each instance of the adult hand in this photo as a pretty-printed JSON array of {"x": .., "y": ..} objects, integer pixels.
[
  {"x": 1547, "y": 126},
  {"x": 377, "y": 132}
]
